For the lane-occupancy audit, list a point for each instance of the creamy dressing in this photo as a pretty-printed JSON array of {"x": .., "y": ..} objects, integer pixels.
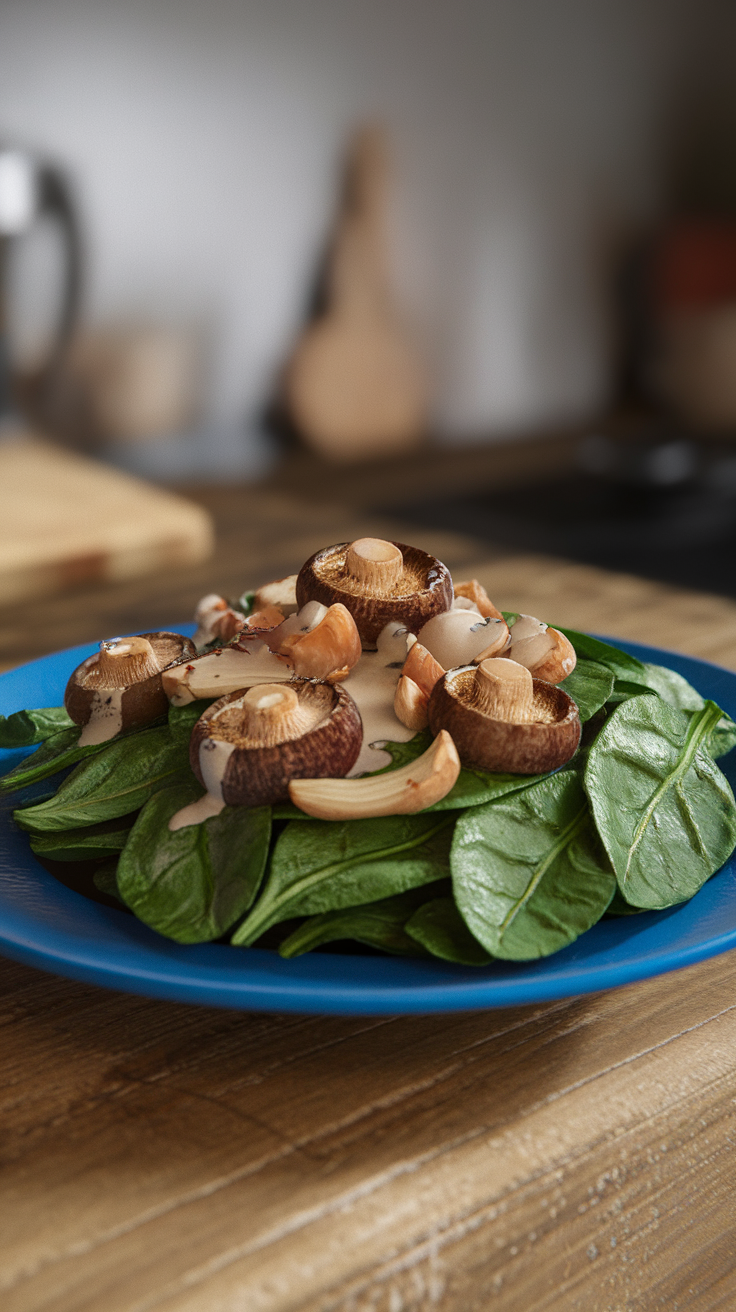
[
  {"x": 372, "y": 686},
  {"x": 105, "y": 717},
  {"x": 214, "y": 755}
]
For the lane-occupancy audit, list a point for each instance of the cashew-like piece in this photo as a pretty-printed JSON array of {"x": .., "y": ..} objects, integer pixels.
[
  {"x": 400, "y": 792},
  {"x": 411, "y": 704},
  {"x": 332, "y": 647},
  {"x": 422, "y": 668}
]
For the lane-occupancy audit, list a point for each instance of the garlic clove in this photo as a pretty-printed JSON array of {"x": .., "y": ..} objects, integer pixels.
[
  {"x": 559, "y": 661},
  {"x": 400, "y": 792}
]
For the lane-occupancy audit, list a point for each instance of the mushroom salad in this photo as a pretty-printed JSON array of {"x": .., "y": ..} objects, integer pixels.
[{"x": 364, "y": 752}]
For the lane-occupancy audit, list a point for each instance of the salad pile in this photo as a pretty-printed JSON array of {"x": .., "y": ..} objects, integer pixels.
[{"x": 363, "y": 753}]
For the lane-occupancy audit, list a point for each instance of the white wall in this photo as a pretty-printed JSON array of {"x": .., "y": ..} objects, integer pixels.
[{"x": 203, "y": 136}]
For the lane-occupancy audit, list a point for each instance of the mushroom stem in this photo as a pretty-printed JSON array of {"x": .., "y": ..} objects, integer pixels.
[
  {"x": 375, "y": 564},
  {"x": 270, "y": 714},
  {"x": 504, "y": 690},
  {"x": 122, "y": 662}
]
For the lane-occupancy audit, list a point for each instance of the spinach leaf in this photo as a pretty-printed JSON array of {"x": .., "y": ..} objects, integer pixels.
[
  {"x": 590, "y": 685},
  {"x": 663, "y": 809},
  {"x": 618, "y": 906},
  {"x": 193, "y": 884},
  {"x": 673, "y": 688},
  {"x": 26, "y": 728},
  {"x": 440, "y": 928},
  {"x": 619, "y": 662},
  {"x": 83, "y": 844},
  {"x": 723, "y": 737},
  {"x": 377, "y": 924},
  {"x": 528, "y": 872},
  {"x": 245, "y": 602},
  {"x": 510, "y": 616},
  {"x": 326, "y": 865},
  {"x": 105, "y": 881},
  {"x": 182, "y": 719},
  {"x": 116, "y": 781},
  {"x": 54, "y": 755}
]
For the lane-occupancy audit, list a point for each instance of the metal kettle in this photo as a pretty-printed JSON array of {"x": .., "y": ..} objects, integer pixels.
[{"x": 32, "y": 189}]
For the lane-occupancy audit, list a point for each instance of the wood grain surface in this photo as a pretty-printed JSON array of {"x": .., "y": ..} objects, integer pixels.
[{"x": 569, "y": 1157}]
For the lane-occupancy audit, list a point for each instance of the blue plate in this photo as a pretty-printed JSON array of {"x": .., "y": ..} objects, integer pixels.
[{"x": 45, "y": 924}]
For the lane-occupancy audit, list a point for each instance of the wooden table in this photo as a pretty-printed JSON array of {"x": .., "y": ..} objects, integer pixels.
[{"x": 571, "y": 1156}]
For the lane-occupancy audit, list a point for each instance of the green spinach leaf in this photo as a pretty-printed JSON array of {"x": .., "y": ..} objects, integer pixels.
[
  {"x": 83, "y": 844},
  {"x": 54, "y": 755},
  {"x": 326, "y": 865},
  {"x": 619, "y": 662},
  {"x": 590, "y": 685},
  {"x": 26, "y": 728},
  {"x": 193, "y": 884},
  {"x": 114, "y": 782},
  {"x": 441, "y": 930},
  {"x": 105, "y": 881},
  {"x": 663, "y": 809},
  {"x": 182, "y": 719},
  {"x": 528, "y": 872},
  {"x": 377, "y": 924}
]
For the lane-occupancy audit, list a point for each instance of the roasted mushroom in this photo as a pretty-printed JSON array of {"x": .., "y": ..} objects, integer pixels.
[
  {"x": 501, "y": 719},
  {"x": 379, "y": 582},
  {"x": 121, "y": 686},
  {"x": 247, "y": 747},
  {"x": 460, "y": 636}
]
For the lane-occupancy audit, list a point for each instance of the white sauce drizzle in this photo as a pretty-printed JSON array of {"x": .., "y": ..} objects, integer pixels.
[
  {"x": 214, "y": 755},
  {"x": 372, "y": 686},
  {"x": 105, "y": 717}
]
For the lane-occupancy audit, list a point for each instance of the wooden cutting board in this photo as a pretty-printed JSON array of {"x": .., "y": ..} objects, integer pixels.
[{"x": 65, "y": 520}]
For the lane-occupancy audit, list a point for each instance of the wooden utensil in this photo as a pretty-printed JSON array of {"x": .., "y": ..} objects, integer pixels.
[{"x": 355, "y": 386}]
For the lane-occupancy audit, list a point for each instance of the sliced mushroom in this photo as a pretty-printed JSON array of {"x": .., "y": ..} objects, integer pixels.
[
  {"x": 247, "y": 747},
  {"x": 226, "y": 670},
  {"x": 460, "y": 636},
  {"x": 545, "y": 652},
  {"x": 281, "y": 593},
  {"x": 121, "y": 686},
  {"x": 379, "y": 582},
  {"x": 264, "y": 620},
  {"x": 473, "y": 591},
  {"x": 502, "y": 719},
  {"x": 327, "y": 651},
  {"x": 400, "y": 792},
  {"x": 215, "y": 619}
]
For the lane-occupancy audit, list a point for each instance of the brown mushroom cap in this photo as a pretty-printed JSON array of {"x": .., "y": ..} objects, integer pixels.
[
  {"x": 378, "y": 582},
  {"x": 528, "y": 746},
  {"x": 305, "y": 729},
  {"x": 134, "y": 665}
]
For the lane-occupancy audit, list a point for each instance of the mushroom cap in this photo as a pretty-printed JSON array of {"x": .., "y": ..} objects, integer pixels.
[
  {"x": 143, "y": 699},
  {"x": 423, "y": 589},
  {"x": 327, "y": 746},
  {"x": 530, "y": 747}
]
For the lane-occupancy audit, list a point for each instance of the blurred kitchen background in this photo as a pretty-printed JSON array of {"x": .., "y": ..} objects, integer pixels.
[{"x": 464, "y": 269}]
